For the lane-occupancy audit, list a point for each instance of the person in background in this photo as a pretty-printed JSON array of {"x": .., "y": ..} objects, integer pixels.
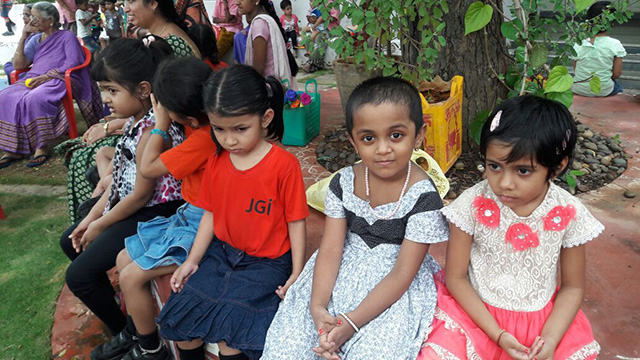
[
  {"x": 83, "y": 21},
  {"x": 317, "y": 51},
  {"x": 205, "y": 39},
  {"x": 228, "y": 22},
  {"x": 192, "y": 12},
  {"x": 67, "y": 10},
  {"x": 114, "y": 22},
  {"x": 289, "y": 23},
  {"x": 600, "y": 55},
  {"x": 26, "y": 48},
  {"x": 6, "y": 7}
]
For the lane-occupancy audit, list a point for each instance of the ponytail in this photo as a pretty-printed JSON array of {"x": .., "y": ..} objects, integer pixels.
[
  {"x": 223, "y": 96},
  {"x": 275, "y": 130},
  {"x": 268, "y": 7},
  {"x": 128, "y": 61}
]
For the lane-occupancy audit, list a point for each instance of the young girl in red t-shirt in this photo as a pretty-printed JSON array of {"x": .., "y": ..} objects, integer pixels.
[
  {"x": 229, "y": 288},
  {"x": 162, "y": 244}
]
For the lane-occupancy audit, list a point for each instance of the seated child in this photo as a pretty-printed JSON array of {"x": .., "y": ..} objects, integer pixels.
[
  {"x": 369, "y": 291},
  {"x": 289, "y": 23},
  {"x": 599, "y": 54},
  {"x": 205, "y": 39},
  {"x": 510, "y": 234},
  {"x": 162, "y": 244}
]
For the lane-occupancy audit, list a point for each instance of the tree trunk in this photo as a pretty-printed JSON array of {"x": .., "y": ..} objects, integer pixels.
[{"x": 466, "y": 56}]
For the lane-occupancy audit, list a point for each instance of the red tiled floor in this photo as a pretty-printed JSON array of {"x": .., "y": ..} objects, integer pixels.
[{"x": 612, "y": 298}]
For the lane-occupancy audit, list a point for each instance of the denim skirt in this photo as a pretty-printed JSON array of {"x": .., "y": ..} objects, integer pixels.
[
  {"x": 165, "y": 241},
  {"x": 231, "y": 297}
]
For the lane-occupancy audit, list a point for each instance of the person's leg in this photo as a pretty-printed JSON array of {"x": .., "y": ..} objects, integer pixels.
[
  {"x": 617, "y": 88},
  {"x": 135, "y": 285},
  {"x": 191, "y": 350},
  {"x": 227, "y": 351}
]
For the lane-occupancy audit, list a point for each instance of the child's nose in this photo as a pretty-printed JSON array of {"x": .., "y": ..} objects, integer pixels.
[
  {"x": 383, "y": 147},
  {"x": 507, "y": 181}
]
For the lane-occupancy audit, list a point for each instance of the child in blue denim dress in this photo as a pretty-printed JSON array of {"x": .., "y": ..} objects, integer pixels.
[
  {"x": 229, "y": 288},
  {"x": 162, "y": 244}
]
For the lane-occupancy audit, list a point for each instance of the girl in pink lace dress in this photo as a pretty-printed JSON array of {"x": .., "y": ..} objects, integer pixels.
[{"x": 510, "y": 234}]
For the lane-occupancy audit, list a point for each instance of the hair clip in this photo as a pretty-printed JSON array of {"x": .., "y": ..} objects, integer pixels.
[
  {"x": 148, "y": 40},
  {"x": 269, "y": 91},
  {"x": 496, "y": 121}
]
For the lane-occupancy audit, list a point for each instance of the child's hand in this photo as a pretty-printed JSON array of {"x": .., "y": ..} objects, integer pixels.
[
  {"x": 541, "y": 349},
  {"x": 324, "y": 321},
  {"x": 163, "y": 121},
  {"x": 338, "y": 336},
  {"x": 282, "y": 290},
  {"x": 513, "y": 348},
  {"x": 323, "y": 349},
  {"x": 182, "y": 274}
]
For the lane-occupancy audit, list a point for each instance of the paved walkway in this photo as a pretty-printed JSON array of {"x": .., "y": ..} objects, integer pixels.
[{"x": 612, "y": 298}]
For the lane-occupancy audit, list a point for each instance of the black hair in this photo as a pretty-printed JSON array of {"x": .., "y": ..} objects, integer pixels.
[
  {"x": 596, "y": 9},
  {"x": 267, "y": 5},
  {"x": 168, "y": 11},
  {"x": 536, "y": 127},
  {"x": 180, "y": 91},
  {"x": 30, "y": 6},
  {"x": 223, "y": 97},
  {"x": 390, "y": 90},
  {"x": 104, "y": 2},
  {"x": 205, "y": 39},
  {"x": 80, "y": 2},
  {"x": 128, "y": 61},
  {"x": 284, "y": 4}
]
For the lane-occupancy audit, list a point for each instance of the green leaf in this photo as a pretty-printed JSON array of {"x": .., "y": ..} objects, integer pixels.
[
  {"x": 475, "y": 128},
  {"x": 583, "y": 5},
  {"x": 511, "y": 29},
  {"x": 519, "y": 54},
  {"x": 442, "y": 41},
  {"x": 576, "y": 173},
  {"x": 559, "y": 80},
  {"x": 594, "y": 84},
  {"x": 478, "y": 16},
  {"x": 566, "y": 97},
  {"x": 539, "y": 55},
  {"x": 571, "y": 181}
]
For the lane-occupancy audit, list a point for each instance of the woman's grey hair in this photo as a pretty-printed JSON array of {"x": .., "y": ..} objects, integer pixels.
[
  {"x": 30, "y": 6},
  {"x": 48, "y": 11}
]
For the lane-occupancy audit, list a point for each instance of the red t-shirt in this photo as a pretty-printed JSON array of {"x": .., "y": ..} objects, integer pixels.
[
  {"x": 251, "y": 208},
  {"x": 216, "y": 67},
  {"x": 188, "y": 160}
]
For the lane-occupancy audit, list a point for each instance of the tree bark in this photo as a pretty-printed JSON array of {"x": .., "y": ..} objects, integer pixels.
[{"x": 466, "y": 56}]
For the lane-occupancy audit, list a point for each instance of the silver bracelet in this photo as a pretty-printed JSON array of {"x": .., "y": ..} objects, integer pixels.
[{"x": 353, "y": 325}]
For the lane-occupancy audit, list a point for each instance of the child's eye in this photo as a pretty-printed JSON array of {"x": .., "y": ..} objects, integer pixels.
[
  {"x": 217, "y": 129},
  {"x": 523, "y": 171},
  {"x": 396, "y": 136},
  {"x": 493, "y": 167},
  {"x": 241, "y": 129},
  {"x": 367, "y": 138}
]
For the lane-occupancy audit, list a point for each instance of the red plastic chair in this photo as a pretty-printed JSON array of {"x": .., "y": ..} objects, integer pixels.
[{"x": 67, "y": 101}]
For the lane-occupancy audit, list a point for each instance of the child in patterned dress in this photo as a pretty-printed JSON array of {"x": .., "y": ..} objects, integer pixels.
[
  {"x": 369, "y": 291},
  {"x": 509, "y": 236}
]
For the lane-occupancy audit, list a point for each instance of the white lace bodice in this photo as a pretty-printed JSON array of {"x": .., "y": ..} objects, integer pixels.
[{"x": 514, "y": 260}]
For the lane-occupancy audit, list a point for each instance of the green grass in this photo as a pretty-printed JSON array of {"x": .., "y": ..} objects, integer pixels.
[{"x": 32, "y": 275}]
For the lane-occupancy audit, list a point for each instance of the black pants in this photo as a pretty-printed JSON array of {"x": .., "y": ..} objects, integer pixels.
[
  {"x": 294, "y": 38},
  {"x": 87, "y": 275}
]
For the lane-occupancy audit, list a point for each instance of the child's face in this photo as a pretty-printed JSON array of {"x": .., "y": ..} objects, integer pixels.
[
  {"x": 287, "y": 10},
  {"x": 103, "y": 8},
  {"x": 109, "y": 6},
  {"x": 84, "y": 6},
  {"x": 385, "y": 137},
  {"x": 520, "y": 185},
  {"x": 239, "y": 135},
  {"x": 121, "y": 102}
]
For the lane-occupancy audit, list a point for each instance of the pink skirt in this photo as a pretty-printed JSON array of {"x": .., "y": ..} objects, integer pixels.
[{"x": 456, "y": 336}]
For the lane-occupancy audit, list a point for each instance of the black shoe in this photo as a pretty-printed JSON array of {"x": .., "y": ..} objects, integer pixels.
[
  {"x": 138, "y": 353},
  {"x": 92, "y": 175},
  {"x": 8, "y": 33},
  {"x": 116, "y": 348}
]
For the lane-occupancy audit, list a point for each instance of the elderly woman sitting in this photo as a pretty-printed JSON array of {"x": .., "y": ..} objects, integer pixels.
[
  {"x": 26, "y": 48},
  {"x": 36, "y": 115}
]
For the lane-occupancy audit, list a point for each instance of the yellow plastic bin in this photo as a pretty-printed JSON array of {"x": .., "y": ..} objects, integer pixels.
[{"x": 443, "y": 137}]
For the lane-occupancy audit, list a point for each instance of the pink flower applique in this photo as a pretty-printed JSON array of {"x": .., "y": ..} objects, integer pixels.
[
  {"x": 521, "y": 237},
  {"x": 487, "y": 212},
  {"x": 559, "y": 217}
]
